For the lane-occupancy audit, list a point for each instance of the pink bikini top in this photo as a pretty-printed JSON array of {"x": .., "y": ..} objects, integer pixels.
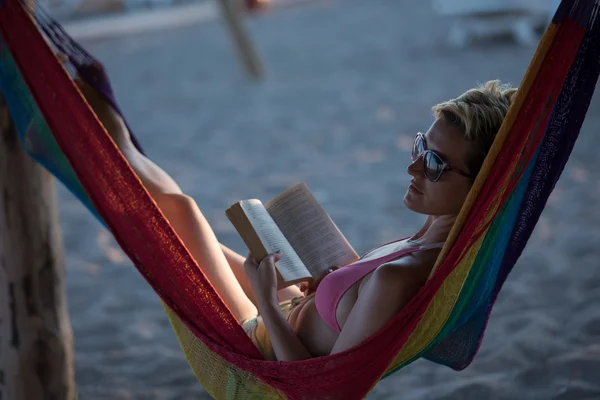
[{"x": 336, "y": 284}]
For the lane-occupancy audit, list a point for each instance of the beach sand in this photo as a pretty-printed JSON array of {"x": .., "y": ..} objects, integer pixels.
[{"x": 348, "y": 86}]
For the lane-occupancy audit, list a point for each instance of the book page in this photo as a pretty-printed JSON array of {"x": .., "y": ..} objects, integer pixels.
[
  {"x": 290, "y": 266},
  {"x": 309, "y": 229}
]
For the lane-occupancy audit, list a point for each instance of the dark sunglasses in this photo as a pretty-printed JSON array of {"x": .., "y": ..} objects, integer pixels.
[{"x": 433, "y": 165}]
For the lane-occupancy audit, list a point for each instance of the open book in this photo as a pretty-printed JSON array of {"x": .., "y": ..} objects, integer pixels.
[{"x": 297, "y": 225}]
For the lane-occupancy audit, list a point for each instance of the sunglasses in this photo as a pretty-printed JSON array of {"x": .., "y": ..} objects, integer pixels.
[{"x": 433, "y": 165}]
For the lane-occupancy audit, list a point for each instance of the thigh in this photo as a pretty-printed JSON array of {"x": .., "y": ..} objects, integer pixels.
[{"x": 194, "y": 230}]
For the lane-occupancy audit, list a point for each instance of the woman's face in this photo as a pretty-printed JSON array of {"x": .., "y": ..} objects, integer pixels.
[{"x": 447, "y": 195}]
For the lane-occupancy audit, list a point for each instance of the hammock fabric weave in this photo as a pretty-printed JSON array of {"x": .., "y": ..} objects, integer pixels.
[{"x": 444, "y": 322}]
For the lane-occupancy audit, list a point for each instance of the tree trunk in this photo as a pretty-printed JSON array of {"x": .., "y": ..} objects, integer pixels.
[{"x": 36, "y": 341}]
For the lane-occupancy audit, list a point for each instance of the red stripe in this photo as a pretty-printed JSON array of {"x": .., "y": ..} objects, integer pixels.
[{"x": 115, "y": 190}]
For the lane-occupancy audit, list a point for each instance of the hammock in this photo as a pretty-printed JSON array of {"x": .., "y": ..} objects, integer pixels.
[{"x": 444, "y": 322}]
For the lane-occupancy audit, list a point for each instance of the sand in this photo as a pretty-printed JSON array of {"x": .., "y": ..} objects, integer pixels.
[{"x": 348, "y": 86}]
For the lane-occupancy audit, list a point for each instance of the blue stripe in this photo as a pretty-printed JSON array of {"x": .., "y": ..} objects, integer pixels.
[{"x": 33, "y": 131}]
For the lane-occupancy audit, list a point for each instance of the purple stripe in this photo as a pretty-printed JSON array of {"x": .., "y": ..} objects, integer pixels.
[
  {"x": 563, "y": 129},
  {"x": 90, "y": 69},
  {"x": 563, "y": 11},
  {"x": 582, "y": 12},
  {"x": 579, "y": 11}
]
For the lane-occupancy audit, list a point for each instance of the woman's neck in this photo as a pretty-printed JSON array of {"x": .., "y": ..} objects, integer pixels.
[{"x": 436, "y": 229}]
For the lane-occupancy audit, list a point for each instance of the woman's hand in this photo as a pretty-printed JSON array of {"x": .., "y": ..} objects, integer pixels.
[{"x": 263, "y": 276}]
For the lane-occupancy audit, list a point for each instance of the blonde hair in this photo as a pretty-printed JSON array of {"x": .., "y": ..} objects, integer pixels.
[{"x": 478, "y": 113}]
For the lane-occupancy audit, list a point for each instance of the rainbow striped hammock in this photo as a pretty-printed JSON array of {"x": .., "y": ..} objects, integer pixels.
[{"x": 444, "y": 322}]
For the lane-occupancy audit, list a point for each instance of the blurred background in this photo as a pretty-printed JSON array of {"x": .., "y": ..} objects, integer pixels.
[{"x": 346, "y": 84}]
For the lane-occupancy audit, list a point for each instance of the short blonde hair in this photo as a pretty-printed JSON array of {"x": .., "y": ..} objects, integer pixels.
[{"x": 478, "y": 113}]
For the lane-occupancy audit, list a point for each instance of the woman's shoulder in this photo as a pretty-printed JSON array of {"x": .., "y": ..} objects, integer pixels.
[{"x": 415, "y": 266}]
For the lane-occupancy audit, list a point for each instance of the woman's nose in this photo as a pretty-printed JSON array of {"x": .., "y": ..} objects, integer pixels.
[{"x": 415, "y": 167}]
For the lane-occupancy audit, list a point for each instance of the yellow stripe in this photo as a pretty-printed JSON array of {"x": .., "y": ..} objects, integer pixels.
[{"x": 219, "y": 378}]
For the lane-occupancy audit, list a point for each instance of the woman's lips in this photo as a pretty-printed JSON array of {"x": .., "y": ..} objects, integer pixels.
[{"x": 414, "y": 188}]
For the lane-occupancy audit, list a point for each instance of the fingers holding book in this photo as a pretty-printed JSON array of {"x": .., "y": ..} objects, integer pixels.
[{"x": 263, "y": 275}]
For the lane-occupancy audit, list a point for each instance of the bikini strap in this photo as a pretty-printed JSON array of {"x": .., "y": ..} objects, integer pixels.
[
  {"x": 411, "y": 248},
  {"x": 431, "y": 246},
  {"x": 381, "y": 245}
]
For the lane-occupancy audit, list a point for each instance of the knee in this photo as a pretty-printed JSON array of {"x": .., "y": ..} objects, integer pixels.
[{"x": 175, "y": 204}]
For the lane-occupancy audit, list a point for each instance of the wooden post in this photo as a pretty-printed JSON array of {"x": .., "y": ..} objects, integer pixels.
[
  {"x": 231, "y": 12},
  {"x": 36, "y": 341}
]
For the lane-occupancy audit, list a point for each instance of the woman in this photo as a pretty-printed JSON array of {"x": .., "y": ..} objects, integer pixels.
[{"x": 351, "y": 303}]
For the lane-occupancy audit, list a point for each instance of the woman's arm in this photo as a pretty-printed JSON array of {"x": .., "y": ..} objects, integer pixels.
[
  {"x": 384, "y": 295},
  {"x": 263, "y": 279},
  {"x": 285, "y": 342}
]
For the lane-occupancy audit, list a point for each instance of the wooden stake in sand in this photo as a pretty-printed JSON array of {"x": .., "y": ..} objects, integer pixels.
[
  {"x": 36, "y": 341},
  {"x": 232, "y": 14},
  {"x": 177, "y": 16}
]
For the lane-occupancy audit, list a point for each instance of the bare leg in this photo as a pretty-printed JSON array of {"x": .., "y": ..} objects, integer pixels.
[{"x": 222, "y": 266}]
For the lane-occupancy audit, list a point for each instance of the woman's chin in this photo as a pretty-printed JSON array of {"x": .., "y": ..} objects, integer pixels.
[
  {"x": 408, "y": 201},
  {"x": 413, "y": 204}
]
